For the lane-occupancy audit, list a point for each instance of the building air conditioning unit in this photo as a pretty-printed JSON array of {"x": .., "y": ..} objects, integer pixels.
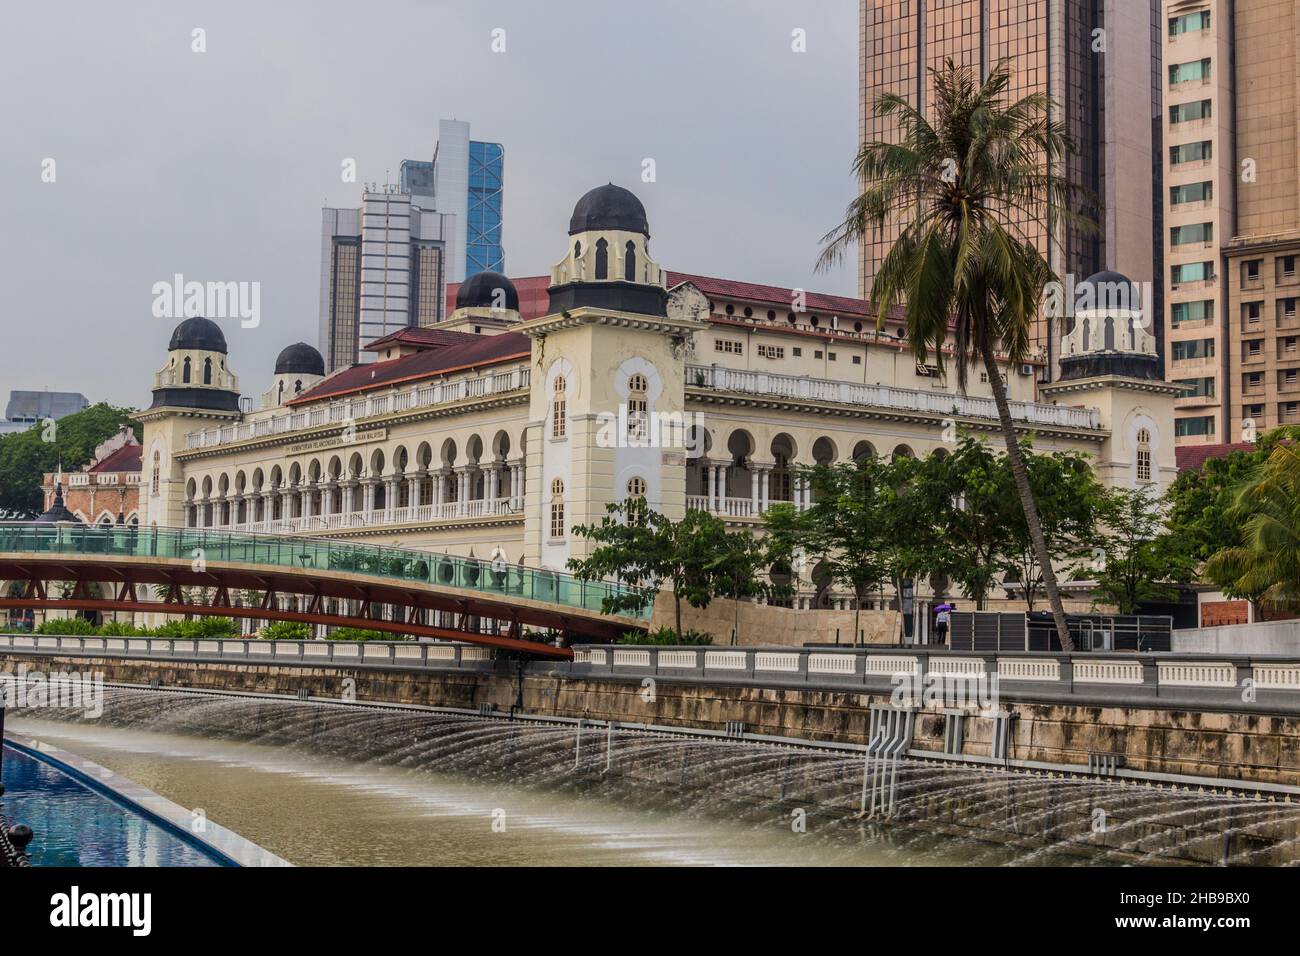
[{"x": 1026, "y": 369}]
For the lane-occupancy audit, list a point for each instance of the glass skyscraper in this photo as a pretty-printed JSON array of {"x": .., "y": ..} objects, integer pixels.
[{"x": 483, "y": 252}]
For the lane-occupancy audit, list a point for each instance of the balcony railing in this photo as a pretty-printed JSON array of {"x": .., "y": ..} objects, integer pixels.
[
  {"x": 346, "y": 410},
  {"x": 731, "y": 507},
  {"x": 884, "y": 396},
  {"x": 442, "y": 511}
]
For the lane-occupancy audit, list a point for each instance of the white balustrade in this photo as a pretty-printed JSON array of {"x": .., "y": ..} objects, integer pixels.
[
  {"x": 1029, "y": 670},
  {"x": 421, "y": 396},
  {"x": 1107, "y": 672},
  {"x": 884, "y": 396}
]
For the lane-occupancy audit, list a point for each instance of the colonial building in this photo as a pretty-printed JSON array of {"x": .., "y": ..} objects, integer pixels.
[
  {"x": 107, "y": 489},
  {"x": 495, "y": 433}
]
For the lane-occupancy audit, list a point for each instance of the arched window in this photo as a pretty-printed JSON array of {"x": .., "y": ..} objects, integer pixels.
[
  {"x": 185, "y": 370},
  {"x": 279, "y": 393},
  {"x": 638, "y": 408},
  {"x": 602, "y": 259},
  {"x": 297, "y": 386},
  {"x": 557, "y": 508},
  {"x": 636, "y": 487},
  {"x": 1108, "y": 334},
  {"x": 207, "y": 371},
  {"x": 1143, "y": 455},
  {"x": 559, "y": 423},
  {"x": 577, "y": 249},
  {"x": 781, "y": 487},
  {"x": 157, "y": 474},
  {"x": 629, "y": 262}
]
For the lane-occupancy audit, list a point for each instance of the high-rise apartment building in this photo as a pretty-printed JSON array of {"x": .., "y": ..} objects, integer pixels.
[
  {"x": 1097, "y": 59},
  {"x": 1232, "y": 208},
  {"x": 383, "y": 267},
  {"x": 386, "y": 265}
]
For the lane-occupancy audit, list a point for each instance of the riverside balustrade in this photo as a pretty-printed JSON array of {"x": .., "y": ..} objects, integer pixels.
[
  {"x": 1175, "y": 681},
  {"x": 302, "y": 553},
  {"x": 720, "y": 378}
]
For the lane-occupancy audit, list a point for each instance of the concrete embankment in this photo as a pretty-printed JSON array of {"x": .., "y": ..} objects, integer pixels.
[{"x": 1246, "y": 750}]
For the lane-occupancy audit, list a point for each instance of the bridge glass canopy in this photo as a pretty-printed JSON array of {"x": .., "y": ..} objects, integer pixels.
[{"x": 493, "y": 578}]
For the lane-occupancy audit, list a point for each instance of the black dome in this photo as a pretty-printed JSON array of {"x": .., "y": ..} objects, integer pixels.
[
  {"x": 479, "y": 291},
  {"x": 1108, "y": 276},
  {"x": 299, "y": 359},
  {"x": 198, "y": 333},
  {"x": 1112, "y": 290},
  {"x": 609, "y": 207}
]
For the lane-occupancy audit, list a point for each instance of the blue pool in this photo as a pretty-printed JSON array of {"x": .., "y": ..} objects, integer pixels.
[{"x": 77, "y": 825}]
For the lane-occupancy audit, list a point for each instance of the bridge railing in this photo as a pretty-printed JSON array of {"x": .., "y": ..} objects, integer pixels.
[
  {"x": 497, "y": 578},
  {"x": 1221, "y": 681},
  {"x": 355, "y": 653}
]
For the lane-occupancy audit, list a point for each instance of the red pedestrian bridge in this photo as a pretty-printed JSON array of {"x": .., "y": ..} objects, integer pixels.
[{"x": 69, "y": 567}]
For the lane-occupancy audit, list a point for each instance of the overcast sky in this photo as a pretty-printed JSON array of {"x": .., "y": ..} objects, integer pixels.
[{"x": 216, "y": 164}]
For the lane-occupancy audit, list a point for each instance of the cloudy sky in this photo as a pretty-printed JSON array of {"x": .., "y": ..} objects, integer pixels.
[{"x": 216, "y": 164}]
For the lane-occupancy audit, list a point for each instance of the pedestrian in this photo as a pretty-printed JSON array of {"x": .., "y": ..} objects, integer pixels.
[{"x": 941, "y": 623}]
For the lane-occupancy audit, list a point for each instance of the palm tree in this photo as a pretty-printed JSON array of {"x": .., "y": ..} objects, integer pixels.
[
  {"x": 1267, "y": 566},
  {"x": 970, "y": 279}
]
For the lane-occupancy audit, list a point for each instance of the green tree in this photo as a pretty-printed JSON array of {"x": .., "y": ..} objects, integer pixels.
[
  {"x": 845, "y": 531},
  {"x": 645, "y": 549},
  {"x": 968, "y": 495},
  {"x": 739, "y": 569},
  {"x": 1133, "y": 566},
  {"x": 970, "y": 277},
  {"x": 27, "y": 455},
  {"x": 1266, "y": 565},
  {"x": 1071, "y": 500}
]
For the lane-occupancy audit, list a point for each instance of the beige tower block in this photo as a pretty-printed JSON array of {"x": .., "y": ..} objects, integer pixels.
[
  {"x": 607, "y": 422},
  {"x": 1137, "y": 416}
]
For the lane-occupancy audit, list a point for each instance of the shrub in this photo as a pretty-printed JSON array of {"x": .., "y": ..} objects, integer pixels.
[
  {"x": 67, "y": 625},
  {"x": 203, "y": 628},
  {"x": 122, "y": 629},
  {"x": 286, "y": 631},
  {"x": 666, "y": 635},
  {"x": 363, "y": 634}
]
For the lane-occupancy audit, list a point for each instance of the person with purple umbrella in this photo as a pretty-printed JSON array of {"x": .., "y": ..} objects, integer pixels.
[{"x": 943, "y": 614}]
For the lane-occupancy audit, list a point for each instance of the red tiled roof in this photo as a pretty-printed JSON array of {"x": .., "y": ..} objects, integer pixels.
[
  {"x": 479, "y": 351},
  {"x": 534, "y": 300},
  {"x": 126, "y": 458},
  {"x": 1192, "y": 457},
  {"x": 774, "y": 295},
  {"x": 420, "y": 335}
]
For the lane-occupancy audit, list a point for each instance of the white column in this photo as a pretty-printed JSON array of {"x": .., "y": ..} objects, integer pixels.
[
  {"x": 765, "y": 490},
  {"x": 754, "y": 482},
  {"x": 462, "y": 498},
  {"x": 720, "y": 484},
  {"x": 368, "y": 499}
]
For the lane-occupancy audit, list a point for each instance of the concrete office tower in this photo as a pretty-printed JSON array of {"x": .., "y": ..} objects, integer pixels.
[
  {"x": 465, "y": 179},
  {"x": 1094, "y": 57},
  {"x": 383, "y": 268},
  {"x": 27, "y": 407},
  {"x": 1232, "y": 166}
]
